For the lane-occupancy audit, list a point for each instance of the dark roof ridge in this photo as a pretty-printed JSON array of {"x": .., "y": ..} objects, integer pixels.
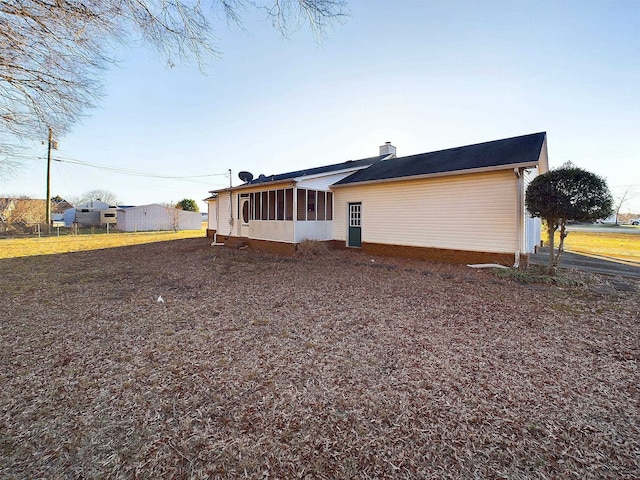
[{"x": 472, "y": 145}]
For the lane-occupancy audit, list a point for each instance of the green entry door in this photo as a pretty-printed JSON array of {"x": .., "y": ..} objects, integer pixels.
[{"x": 355, "y": 225}]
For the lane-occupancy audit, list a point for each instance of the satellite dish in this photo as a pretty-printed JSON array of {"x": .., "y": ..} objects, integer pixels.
[{"x": 246, "y": 177}]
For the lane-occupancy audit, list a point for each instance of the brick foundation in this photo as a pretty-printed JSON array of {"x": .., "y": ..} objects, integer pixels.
[
  {"x": 444, "y": 255},
  {"x": 210, "y": 232}
]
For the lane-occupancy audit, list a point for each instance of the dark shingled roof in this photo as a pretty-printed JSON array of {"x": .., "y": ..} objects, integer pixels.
[
  {"x": 510, "y": 151},
  {"x": 314, "y": 171}
]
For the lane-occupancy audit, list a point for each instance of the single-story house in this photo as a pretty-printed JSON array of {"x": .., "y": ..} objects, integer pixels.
[
  {"x": 461, "y": 205},
  {"x": 156, "y": 217}
]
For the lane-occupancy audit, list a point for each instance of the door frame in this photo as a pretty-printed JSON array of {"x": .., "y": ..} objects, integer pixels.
[
  {"x": 354, "y": 224},
  {"x": 244, "y": 226}
]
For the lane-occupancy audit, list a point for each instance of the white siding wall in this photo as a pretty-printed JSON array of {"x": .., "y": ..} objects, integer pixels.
[
  {"x": 274, "y": 230},
  {"x": 314, "y": 230},
  {"x": 465, "y": 212},
  {"x": 224, "y": 227},
  {"x": 212, "y": 214}
]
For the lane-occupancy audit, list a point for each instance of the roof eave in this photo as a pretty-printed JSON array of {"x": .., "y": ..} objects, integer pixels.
[
  {"x": 246, "y": 186},
  {"x": 333, "y": 172},
  {"x": 468, "y": 171}
]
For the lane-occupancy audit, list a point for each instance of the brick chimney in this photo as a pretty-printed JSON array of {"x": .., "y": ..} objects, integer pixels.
[{"x": 387, "y": 149}]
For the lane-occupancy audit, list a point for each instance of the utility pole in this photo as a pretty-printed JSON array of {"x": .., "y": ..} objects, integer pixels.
[
  {"x": 48, "y": 213},
  {"x": 230, "y": 179},
  {"x": 51, "y": 144}
]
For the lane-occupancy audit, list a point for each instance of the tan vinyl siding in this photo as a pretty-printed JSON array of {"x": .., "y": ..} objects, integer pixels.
[
  {"x": 224, "y": 227},
  {"x": 475, "y": 212}
]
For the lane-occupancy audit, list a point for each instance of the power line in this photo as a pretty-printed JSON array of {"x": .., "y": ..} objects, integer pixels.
[{"x": 136, "y": 173}]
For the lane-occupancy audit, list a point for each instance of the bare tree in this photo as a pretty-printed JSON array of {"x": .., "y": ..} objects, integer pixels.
[
  {"x": 8, "y": 164},
  {"x": 20, "y": 213},
  {"x": 53, "y": 52},
  {"x": 99, "y": 195},
  {"x": 621, "y": 198}
]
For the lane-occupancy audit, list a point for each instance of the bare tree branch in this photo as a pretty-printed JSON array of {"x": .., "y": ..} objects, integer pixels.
[{"x": 53, "y": 53}]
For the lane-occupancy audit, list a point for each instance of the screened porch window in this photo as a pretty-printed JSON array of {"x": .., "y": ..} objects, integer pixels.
[
  {"x": 302, "y": 204},
  {"x": 279, "y": 204},
  {"x": 321, "y": 205},
  {"x": 311, "y": 204},
  {"x": 314, "y": 205},
  {"x": 288, "y": 204},
  {"x": 271, "y": 205}
]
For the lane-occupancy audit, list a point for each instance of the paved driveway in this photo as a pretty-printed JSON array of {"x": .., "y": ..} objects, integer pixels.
[{"x": 591, "y": 263}]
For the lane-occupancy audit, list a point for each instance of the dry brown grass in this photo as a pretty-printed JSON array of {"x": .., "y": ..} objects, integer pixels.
[
  {"x": 27, "y": 247},
  {"x": 312, "y": 248},
  {"x": 331, "y": 366}
]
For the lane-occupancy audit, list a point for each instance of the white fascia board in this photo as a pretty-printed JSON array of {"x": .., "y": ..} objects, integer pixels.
[
  {"x": 328, "y": 174},
  {"x": 511, "y": 166},
  {"x": 288, "y": 182}
]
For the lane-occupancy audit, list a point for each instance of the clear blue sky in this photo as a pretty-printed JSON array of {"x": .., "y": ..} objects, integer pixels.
[{"x": 423, "y": 75}]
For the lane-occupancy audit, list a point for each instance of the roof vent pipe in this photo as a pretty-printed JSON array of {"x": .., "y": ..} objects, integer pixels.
[{"x": 387, "y": 149}]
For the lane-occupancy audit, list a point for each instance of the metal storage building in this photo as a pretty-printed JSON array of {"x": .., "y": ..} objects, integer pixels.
[{"x": 155, "y": 217}]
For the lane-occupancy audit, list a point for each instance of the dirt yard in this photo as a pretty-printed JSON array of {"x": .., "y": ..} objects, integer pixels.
[{"x": 332, "y": 366}]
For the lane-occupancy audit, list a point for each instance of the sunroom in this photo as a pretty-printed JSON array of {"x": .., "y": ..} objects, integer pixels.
[{"x": 285, "y": 214}]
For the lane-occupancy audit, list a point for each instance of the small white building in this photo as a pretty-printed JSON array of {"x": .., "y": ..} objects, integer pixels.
[
  {"x": 155, "y": 217},
  {"x": 86, "y": 214}
]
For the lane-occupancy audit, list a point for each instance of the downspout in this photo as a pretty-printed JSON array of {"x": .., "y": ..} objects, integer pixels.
[
  {"x": 215, "y": 243},
  {"x": 519, "y": 183}
]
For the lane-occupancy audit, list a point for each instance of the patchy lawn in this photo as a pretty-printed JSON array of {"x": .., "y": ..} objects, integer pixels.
[{"x": 330, "y": 366}]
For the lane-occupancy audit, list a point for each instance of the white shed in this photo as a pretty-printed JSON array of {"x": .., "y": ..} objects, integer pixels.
[{"x": 157, "y": 217}]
